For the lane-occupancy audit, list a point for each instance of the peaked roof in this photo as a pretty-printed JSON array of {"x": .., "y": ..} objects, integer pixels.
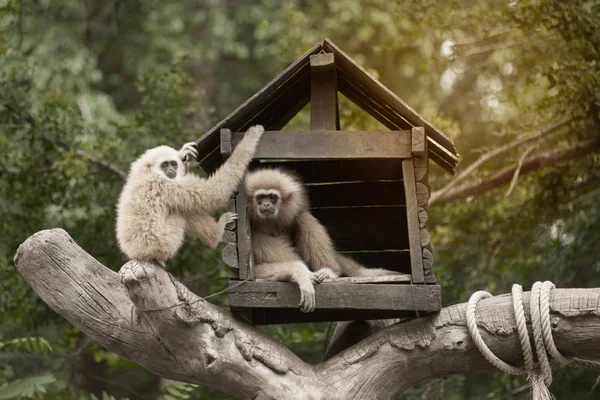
[{"x": 280, "y": 100}]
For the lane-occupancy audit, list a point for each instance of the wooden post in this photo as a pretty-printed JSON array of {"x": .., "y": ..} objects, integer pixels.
[
  {"x": 323, "y": 93},
  {"x": 420, "y": 152},
  {"x": 412, "y": 218}
]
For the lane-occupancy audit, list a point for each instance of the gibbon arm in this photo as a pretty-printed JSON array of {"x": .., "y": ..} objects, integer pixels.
[
  {"x": 206, "y": 229},
  {"x": 222, "y": 184},
  {"x": 314, "y": 244}
]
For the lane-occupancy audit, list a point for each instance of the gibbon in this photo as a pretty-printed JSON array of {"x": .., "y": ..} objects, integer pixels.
[
  {"x": 161, "y": 203},
  {"x": 288, "y": 242}
]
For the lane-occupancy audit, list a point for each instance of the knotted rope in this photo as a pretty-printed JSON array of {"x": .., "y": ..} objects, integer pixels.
[{"x": 540, "y": 375}]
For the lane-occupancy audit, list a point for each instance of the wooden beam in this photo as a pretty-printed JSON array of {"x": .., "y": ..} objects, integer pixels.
[
  {"x": 323, "y": 93},
  {"x": 412, "y": 215},
  {"x": 331, "y": 145},
  {"x": 225, "y": 147},
  {"x": 244, "y": 235},
  {"x": 418, "y": 140},
  {"x": 337, "y": 296}
]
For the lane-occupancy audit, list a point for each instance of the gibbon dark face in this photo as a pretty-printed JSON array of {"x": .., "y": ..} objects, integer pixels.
[
  {"x": 169, "y": 168},
  {"x": 267, "y": 202}
]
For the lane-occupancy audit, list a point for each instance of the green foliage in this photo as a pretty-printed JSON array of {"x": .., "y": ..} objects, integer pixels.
[
  {"x": 28, "y": 388},
  {"x": 87, "y": 86}
]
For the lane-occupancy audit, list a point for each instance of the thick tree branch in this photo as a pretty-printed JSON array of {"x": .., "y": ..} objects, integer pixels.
[
  {"x": 143, "y": 314},
  {"x": 435, "y": 196},
  {"x": 503, "y": 176}
]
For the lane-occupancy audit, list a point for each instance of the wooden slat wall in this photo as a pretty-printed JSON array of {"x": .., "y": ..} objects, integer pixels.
[
  {"x": 340, "y": 170},
  {"x": 357, "y": 194}
]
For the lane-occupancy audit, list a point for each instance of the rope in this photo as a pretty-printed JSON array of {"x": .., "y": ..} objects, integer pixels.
[{"x": 540, "y": 375}]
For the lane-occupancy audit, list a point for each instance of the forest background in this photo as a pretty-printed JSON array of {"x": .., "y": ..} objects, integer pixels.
[{"x": 86, "y": 86}]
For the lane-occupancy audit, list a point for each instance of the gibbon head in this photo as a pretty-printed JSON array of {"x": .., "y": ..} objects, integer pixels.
[
  {"x": 274, "y": 195},
  {"x": 162, "y": 160}
]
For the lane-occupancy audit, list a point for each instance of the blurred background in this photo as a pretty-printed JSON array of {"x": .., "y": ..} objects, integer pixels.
[{"x": 86, "y": 86}]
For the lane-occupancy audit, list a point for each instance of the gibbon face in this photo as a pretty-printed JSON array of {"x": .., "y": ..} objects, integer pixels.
[
  {"x": 267, "y": 202},
  {"x": 169, "y": 168},
  {"x": 165, "y": 160}
]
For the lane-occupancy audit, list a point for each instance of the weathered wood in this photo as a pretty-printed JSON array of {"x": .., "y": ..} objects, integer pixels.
[
  {"x": 230, "y": 236},
  {"x": 272, "y": 316},
  {"x": 366, "y": 228},
  {"x": 198, "y": 341},
  {"x": 423, "y": 217},
  {"x": 330, "y": 145},
  {"x": 322, "y": 62},
  {"x": 323, "y": 93},
  {"x": 323, "y": 171},
  {"x": 246, "y": 114},
  {"x": 244, "y": 235},
  {"x": 226, "y": 147},
  {"x": 418, "y": 141},
  {"x": 337, "y": 296},
  {"x": 428, "y": 261},
  {"x": 359, "y": 74},
  {"x": 416, "y": 256},
  {"x": 357, "y": 194},
  {"x": 425, "y": 236},
  {"x": 422, "y": 194},
  {"x": 230, "y": 256}
]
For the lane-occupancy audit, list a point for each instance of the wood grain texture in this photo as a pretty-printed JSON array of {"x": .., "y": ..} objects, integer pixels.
[
  {"x": 225, "y": 146},
  {"x": 198, "y": 341},
  {"x": 365, "y": 296},
  {"x": 244, "y": 235},
  {"x": 418, "y": 141},
  {"x": 331, "y": 145},
  {"x": 416, "y": 255},
  {"x": 323, "y": 171},
  {"x": 324, "y": 113}
]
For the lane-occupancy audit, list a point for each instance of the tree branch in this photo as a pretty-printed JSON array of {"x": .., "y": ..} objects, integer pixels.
[
  {"x": 104, "y": 164},
  {"x": 146, "y": 316},
  {"x": 435, "y": 196}
]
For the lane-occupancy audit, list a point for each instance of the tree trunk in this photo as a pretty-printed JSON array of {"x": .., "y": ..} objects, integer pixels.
[{"x": 143, "y": 314}]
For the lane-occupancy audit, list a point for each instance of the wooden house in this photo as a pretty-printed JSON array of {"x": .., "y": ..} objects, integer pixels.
[{"x": 370, "y": 189}]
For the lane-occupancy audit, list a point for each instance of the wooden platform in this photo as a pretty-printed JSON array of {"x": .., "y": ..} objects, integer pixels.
[{"x": 341, "y": 299}]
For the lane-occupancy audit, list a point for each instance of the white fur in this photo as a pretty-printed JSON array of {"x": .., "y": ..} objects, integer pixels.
[{"x": 154, "y": 212}]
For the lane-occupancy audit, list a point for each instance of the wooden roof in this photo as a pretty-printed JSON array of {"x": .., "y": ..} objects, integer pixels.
[{"x": 280, "y": 100}]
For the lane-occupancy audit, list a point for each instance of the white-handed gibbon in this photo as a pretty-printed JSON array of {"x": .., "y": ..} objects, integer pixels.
[
  {"x": 161, "y": 203},
  {"x": 288, "y": 242}
]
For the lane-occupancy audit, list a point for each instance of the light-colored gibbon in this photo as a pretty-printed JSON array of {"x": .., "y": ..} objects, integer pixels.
[
  {"x": 161, "y": 203},
  {"x": 288, "y": 242}
]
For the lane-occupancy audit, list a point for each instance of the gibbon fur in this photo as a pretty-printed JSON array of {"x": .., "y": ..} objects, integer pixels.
[
  {"x": 288, "y": 242},
  {"x": 161, "y": 203}
]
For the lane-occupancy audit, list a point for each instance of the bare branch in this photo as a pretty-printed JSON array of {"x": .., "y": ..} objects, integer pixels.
[
  {"x": 504, "y": 175},
  {"x": 146, "y": 316},
  {"x": 515, "y": 178},
  {"x": 435, "y": 196}
]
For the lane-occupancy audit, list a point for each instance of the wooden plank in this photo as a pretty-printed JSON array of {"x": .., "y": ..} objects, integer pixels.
[
  {"x": 357, "y": 194},
  {"x": 418, "y": 139},
  {"x": 337, "y": 296},
  {"x": 323, "y": 93},
  {"x": 270, "y": 316},
  {"x": 229, "y": 256},
  {"x": 367, "y": 228},
  {"x": 416, "y": 255},
  {"x": 394, "y": 260},
  {"x": 372, "y": 105},
  {"x": 323, "y": 171},
  {"x": 252, "y": 110},
  {"x": 331, "y": 145},
  {"x": 343, "y": 61},
  {"x": 244, "y": 235}
]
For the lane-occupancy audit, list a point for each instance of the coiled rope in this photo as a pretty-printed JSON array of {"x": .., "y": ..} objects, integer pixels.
[{"x": 540, "y": 375}]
